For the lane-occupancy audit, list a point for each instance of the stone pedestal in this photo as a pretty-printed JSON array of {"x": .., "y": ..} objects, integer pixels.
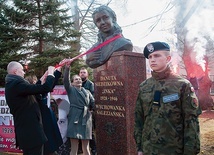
[{"x": 116, "y": 89}]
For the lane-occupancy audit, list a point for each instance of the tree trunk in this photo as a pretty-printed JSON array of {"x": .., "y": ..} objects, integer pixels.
[
  {"x": 205, "y": 99},
  {"x": 189, "y": 55}
]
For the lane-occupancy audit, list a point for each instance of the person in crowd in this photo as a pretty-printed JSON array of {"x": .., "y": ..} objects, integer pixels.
[
  {"x": 89, "y": 85},
  {"x": 32, "y": 79},
  {"x": 86, "y": 83},
  {"x": 63, "y": 110},
  {"x": 79, "y": 117},
  {"x": 194, "y": 81},
  {"x": 167, "y": 109},
  {"x": 49, "y": 119},
  {"x": 106, "y": 21},
  {"x": 20, "y": 97}
]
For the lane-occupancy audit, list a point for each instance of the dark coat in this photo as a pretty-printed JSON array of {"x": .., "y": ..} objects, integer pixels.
[
  {"x": 26, "y": 113},
  {"x": 51, "y": 129},
  {"x": 89, "y": 85},
  {"x": 49, "y": 121}
]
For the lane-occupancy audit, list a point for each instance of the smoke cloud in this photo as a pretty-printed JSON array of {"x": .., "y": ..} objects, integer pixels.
[{"x": 200, "y": 25}]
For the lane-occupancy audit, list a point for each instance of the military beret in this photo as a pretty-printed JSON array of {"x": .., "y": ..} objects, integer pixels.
[{"x": 155, "y": 46}]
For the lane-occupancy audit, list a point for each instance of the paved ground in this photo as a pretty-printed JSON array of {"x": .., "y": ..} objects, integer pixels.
[{"x": 207, "y": 132}]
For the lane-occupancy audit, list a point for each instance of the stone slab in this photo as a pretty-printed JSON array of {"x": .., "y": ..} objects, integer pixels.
[{"x": 116, "y": 89}]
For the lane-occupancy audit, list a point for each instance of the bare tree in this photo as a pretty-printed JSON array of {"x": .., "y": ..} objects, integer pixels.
[{"x": 194, "y": 43}]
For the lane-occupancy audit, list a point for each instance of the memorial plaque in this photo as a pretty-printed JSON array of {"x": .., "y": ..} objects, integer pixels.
[{"x": 116, "y": 89}]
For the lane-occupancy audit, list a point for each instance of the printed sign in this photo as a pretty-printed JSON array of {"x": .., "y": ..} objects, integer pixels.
[{"x": 7, "y": 133}]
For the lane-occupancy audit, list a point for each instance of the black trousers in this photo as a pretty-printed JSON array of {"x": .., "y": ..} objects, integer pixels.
[
  {"x": 34, "y": 151},
  {"x": 92, "y": 142}
]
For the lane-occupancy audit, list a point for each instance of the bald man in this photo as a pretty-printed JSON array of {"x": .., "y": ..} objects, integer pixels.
[{"x": 20, "y": 98}]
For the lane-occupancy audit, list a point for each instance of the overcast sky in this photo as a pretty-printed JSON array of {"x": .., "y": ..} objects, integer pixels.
[{"x": 136, "y": 25}]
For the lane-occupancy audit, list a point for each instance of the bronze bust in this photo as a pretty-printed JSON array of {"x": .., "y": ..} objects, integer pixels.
[{"x": 106, "y": 21}]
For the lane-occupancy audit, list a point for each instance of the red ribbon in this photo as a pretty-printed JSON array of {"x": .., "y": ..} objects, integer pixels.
[{"x": 94, "y": 49}]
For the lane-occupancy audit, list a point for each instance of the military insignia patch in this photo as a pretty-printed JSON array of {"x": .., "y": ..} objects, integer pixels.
[
  {"x": 195, "y": 103},
  {"x": 170, "y": 98},
  {"x": 150, "y": 48}
]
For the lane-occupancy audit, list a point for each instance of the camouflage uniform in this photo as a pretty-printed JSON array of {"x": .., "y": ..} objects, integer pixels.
[{"x": 166, "y": 116}]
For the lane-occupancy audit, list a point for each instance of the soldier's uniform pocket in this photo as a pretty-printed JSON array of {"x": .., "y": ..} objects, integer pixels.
[
  {"x": 147, "y": 98},
  {"x": 147, "y": 94}
]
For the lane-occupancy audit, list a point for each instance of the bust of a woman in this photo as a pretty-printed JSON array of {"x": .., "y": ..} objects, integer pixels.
[{"x": 106, "y": 21}]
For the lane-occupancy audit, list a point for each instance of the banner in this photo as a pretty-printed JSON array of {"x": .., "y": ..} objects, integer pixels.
[
  {"x": 59, "y": 94},
  {"x": 7, "y": 134}
]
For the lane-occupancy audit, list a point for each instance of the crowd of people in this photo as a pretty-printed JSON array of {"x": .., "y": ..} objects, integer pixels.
[
  {"x": 166, "y": 113},
  {"x": 34, "y": 119}
]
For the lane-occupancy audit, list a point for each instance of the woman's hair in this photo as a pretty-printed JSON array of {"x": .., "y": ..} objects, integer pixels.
[
  {"x": 31, "y": 79},
  {"x": 72, "y": 78},
  {"x": 106, "y": 8}
]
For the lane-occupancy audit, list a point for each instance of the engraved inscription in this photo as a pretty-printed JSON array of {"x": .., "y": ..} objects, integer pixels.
[{"x": 110, "y": 110}]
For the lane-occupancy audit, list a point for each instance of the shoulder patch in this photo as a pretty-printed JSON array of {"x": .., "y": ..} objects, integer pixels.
[{"x": 195, "y": 103}]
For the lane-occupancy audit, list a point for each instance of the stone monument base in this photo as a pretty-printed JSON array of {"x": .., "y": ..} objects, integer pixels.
[{"x": 116, "y": 90}]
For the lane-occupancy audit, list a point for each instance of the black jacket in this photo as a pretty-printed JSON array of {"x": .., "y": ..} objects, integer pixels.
[
  {"x": 89, "y": 85},
  {"x": 49, "y": 121},
  {"x": 26, "y": 113}
]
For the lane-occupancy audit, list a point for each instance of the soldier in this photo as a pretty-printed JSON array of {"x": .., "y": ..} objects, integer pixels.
[
  {"x": 167, "y": 110},
  {"x": 194, "y": 81}
]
